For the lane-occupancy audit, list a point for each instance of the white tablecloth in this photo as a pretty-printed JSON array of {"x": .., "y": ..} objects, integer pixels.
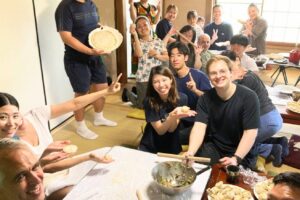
[{"x": 128, "y": 174}]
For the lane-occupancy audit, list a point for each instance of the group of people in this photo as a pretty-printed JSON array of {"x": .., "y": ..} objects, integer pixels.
[
  {"x": 188, "y": 57},
  {"x": 215, "y": 103}
]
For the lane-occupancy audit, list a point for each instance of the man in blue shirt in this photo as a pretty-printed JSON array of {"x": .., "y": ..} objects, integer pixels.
[
  {"x": 192, "y": 82},
  {"x": 75, "y": 19}
]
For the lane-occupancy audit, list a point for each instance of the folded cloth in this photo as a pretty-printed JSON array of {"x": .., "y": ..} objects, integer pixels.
[
  {"x": 294, "y": 152},
  {"x": 137, "y": 114}
]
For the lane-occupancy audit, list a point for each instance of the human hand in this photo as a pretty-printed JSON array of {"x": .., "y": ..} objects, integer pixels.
[
  {"x": 115, "y": 85},
  {"x": 198, "y": 49},
  {"x": 152, "y": 53},
  {"x": 172, "y": 31},
  {"x": 53, "y": 157},
  {"x": 56, "y": 146},
  {"x": 228, "y": 161},
  {"x": 98, "y": 52},
  {"x": 132, "y": 29},
  {"x": 191, "y": 85},
  {"x": 158, "y": 6},
  {"x": 186, "y": 159},
  {"x": 100, "y": 159},
  {"x": 215, "y": 35},
  {"x": 179, "y": 113}
]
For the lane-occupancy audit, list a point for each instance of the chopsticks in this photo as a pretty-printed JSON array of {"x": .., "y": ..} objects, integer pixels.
[
  {"x": 183, "y": 36},
  {"x": 198, "y": 159}
]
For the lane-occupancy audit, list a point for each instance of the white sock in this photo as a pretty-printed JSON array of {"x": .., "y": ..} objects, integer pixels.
[
  {"x": 84, "y": 132},
  {"x": 100, "y": 120}
]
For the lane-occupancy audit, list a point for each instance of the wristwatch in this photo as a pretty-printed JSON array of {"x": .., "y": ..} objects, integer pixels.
[{"x": 238, "y": 159}]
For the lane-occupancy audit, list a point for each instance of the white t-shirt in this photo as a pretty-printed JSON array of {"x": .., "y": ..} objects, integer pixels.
[
  {"x": 249, "y": 63},
  {"x": 39, "y": 118}
]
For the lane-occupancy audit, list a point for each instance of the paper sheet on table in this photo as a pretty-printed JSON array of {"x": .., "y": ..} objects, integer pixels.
[
  {"x": 129, "y": 173},
  {"x": 74, "y": 174},
  {"x": 277, "y": 97}
]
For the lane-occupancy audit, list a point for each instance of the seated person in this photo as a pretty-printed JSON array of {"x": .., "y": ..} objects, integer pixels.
[
  {"x": 227, "y": 119},
  {"x": 286, "y": 187},
  {"x": 201, "y": 22},
  {"x": 191, "y": 82},
  {"x": 163, "y": 110},
  {"x": 189, "y": 39},
  {"x": 20, "y": 172},
  {"x": 205, "y": 55},
  {"x": 270, "y": 118},
  {"x": 33, "y": 129},
  {"x": 238, "y": 45}
]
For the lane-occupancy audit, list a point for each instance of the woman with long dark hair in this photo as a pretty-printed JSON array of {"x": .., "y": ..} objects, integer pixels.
[{"x": 164, "y": 107}]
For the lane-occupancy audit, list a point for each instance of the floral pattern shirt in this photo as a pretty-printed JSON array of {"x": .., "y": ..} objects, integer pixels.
[{"x": 146, "y": 62}]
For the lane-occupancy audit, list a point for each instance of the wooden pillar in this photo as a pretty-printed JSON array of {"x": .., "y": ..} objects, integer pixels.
[{"x": 120, "y": 16}]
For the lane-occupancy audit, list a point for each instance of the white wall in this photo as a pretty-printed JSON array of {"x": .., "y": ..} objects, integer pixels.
[
  {"x": 57, "y": 85},
  {"x": 20, "y": 73}
]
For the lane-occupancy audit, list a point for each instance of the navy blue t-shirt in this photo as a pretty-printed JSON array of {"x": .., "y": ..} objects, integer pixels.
[
  {"x": 224, "y": 34},
  {"x": 202, "y": 83},
  {"x": 151, "y": 140},
  {"x": 227, "y": 120},
  {"x": 79, "y": 19},
  {"x": 162, "y": 28}
]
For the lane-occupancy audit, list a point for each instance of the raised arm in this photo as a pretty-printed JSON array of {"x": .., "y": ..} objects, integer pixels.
[
  {"x": 158, "y": 13},
  {"x": 80, "y": 102},
  {"x": 132, "y": 10},
  {"x": 136, "y": 44}
]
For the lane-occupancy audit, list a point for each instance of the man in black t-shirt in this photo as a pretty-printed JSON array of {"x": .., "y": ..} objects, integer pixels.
[{"x": 227, "y": 119}]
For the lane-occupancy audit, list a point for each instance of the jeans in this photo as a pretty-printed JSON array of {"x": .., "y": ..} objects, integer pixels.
[{"x": 270, "y": 124}]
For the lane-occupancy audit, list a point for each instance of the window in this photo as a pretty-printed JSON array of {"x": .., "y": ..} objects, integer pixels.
[{"x": 283, "y": 17}]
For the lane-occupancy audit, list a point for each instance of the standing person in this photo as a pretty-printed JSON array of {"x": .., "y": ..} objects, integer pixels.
[
  {"x": 191, "y": 82},
  {"x": 227, "y": 119},
  {"x": 75, "y": 19},
  {"x": 20, "y": 171},
  {"x": 219, "y": 31},
  {"x": 205, "y": 55},
  {"x": 239, "y": 45},
  {"x": 143, "y": 8},
  {"x": 150, "y": 52},
  {"x": 163, "y": 110},
  {"x": 201, "y": 22},
  {"x": 192, "y": 18},
  {"x": 164, "y": 25},
  {"x": 270, "y": 119},
  {"x": 256, "y": 30}
]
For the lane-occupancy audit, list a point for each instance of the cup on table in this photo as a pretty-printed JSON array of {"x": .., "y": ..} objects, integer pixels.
[
  {"x": 233, "y": 173},
  {"x": 296, "y": 95}
]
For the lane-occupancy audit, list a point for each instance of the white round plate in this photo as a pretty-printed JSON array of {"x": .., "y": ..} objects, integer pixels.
[
  {"x": 105, "y": 38},
  {"x": 294, "y": 106},
  {"x": 286, "y": 89},
  {"x": 261, "y": 189}
]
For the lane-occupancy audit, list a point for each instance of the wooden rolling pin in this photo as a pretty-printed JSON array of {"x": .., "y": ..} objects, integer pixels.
[
  {"x": 183, "y": 36},
  {"x": 198, "y": 159}
]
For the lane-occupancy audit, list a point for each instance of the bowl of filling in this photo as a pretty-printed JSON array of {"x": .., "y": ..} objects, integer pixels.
[{"x": 173, "y": 177}]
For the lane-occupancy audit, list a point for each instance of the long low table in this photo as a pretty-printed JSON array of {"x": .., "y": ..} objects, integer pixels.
[
  {"x": 288, "y": 116},
  {"x": 129, "y": 175}
]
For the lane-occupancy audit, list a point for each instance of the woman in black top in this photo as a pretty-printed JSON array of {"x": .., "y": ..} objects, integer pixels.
[{"x": 163, "y": 110}]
